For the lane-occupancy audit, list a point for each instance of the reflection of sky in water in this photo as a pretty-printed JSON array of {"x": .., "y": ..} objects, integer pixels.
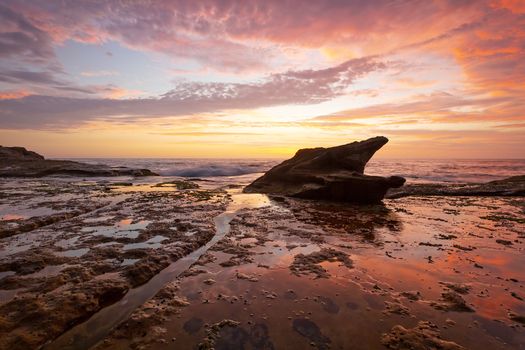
[
  {"x": 417, "y": 220},
  {"x": 361, "y": 292},
  {"x": 73, "y": 253},
  {"x": 22, "y": 212},
  {"x": 67, "y": 242},
  {"x": 127, "y": 262},
  {"x": 12, "y": 217},
  {"x": 247, "y": 200},
  {"x": 144, "y": 188},
  {"x": 6, "y": 273},
  {"x": 123, "y": 229},
  {"x": 98, "y": 219},
  {"x": 153, "y": 243}
]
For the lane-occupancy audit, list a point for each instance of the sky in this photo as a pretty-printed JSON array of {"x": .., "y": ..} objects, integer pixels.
[{"x": 243, "y": 79}]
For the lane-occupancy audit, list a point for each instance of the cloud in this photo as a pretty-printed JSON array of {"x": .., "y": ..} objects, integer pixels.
[
  {"x": 511, "y": 126},
  {"x": 45, "y": 81},
  {"x": 301, "y": 87},
  {"x": 484, "y": 40},
  {"x": 20, "y": 39},
  {"x": 99, "y": 73},
  {"x": 292, "y": 87},
  {"x": 253, "y": 35},
  {"x": 13, "y": 94},
  {"x": 250, "y": 34},
  {"x": 438, "y": 107},
  {"x": 25, "y": 76}
]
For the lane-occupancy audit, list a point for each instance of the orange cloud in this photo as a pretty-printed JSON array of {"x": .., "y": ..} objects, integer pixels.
[
  {"x": 11, "y": 95},
  {"x": 119, "y": 93},
  {"x": 454, "y": 67},
  {"x": 516, "y": 6}
]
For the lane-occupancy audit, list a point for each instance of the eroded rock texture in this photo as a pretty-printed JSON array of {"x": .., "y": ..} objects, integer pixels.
[
  {"x": 19, "y": 162},
  {"x": 334, "y": 173},
  {"x": 510, "y": 187}
]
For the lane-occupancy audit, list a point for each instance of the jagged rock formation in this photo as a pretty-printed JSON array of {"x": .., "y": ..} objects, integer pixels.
[
  {"x": 19, "y": 162},
  {"x": 334, "y": 173}
]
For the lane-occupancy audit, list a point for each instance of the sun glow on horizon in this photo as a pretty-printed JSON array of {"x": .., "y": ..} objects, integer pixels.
[{"x": 246, "y": 84}]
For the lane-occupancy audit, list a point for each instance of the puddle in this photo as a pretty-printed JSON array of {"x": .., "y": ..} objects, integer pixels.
[
  {"x": 89, "y": 333},
  {"x": 247, "y": 201},
  {"x": 404, "y": 255},
  {"x": 152, "y": 243},
  {"x": 8, "y": 217},
  {"x": 67, "y": 242},
  {"x": 144, "y": 188},
  {"x": 128, "y": 262},
  {"x": 123, "y": 229},
  {"x": 19, "y": 243},
  {"x": 22, "y": 213},
  {"x": 190, "y": 233},
  {"x": 107, "y": 244},
  {"x": 98, "y": 219},
  {"x": 6, "y": 273},
  {"x": 74, "y": 253},
  {"x": 391, "y": 279}
]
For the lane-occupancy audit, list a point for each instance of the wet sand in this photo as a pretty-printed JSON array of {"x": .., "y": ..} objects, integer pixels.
[{"x": 210, "y": 267}]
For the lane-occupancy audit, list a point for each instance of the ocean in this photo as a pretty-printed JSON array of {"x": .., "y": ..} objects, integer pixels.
[{"x": 414, "y": 170}]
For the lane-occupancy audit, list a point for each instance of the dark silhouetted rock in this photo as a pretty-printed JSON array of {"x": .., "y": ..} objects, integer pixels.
[
  {"x": 19, "y": 162},
  {"x": 18, "y": 153},
  {"x": 334, "y": 173}
]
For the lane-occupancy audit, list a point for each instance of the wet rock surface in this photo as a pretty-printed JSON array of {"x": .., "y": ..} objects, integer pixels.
[
  {"x": 509, "y": 187},
  {"x": 335, "y": 173},
  {"x": 415, "y": 272},
  {"x": 312, "y": 332},
  {"x": 306, "y": 264},
  {"x": 367, "y": 299},
  {"x": 19, "y": 162},
  {"x": 422, "y": 337},
  {"x": 90, "y": 243}
]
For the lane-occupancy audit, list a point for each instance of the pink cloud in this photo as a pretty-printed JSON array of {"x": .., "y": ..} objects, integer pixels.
[
  {"x": 438, "y": 107},
  {"x": 13, "y": 94},
  {"x": 240, "y": 35},
  {"x": 485, "y": 38},
  {"x": 19, "y": 38},
  {"x": 292, "y": 87}
]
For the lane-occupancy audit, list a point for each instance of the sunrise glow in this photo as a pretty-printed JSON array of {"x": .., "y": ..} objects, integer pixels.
[{"x": 441, "y": 79}]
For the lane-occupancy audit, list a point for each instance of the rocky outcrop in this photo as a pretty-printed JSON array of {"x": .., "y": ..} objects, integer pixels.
[
  {"x": 509, "y": 187},
  {"x": 18, "y": 154},
  {"x": 334, "y": 173},
  {"x": 19, "y": 162}
]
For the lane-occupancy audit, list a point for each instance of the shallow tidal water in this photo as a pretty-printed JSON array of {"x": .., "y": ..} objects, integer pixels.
[{"x": 212, "y": 267}]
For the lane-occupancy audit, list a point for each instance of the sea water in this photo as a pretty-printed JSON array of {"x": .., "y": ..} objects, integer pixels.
[{"x": 414, "y": 170}]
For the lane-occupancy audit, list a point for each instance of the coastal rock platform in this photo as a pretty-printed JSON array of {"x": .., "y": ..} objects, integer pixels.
[
  {"x": 19, "y": 162},
  {"x": 510, "y": 187},
  {"x": 162, "y": 263}
]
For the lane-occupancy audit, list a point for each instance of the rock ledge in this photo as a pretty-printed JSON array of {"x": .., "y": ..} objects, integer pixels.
[
  {"x": 19, "y": 162},
  {"x": 334, "y": 173}
]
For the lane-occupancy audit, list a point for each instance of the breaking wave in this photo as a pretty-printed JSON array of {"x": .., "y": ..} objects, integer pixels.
[
  {"x": 414, "y": 170},
  {"x": 214, "y": 170}
]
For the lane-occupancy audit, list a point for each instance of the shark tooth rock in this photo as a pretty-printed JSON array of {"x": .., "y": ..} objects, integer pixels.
[{"x": 335, "y": 173}]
